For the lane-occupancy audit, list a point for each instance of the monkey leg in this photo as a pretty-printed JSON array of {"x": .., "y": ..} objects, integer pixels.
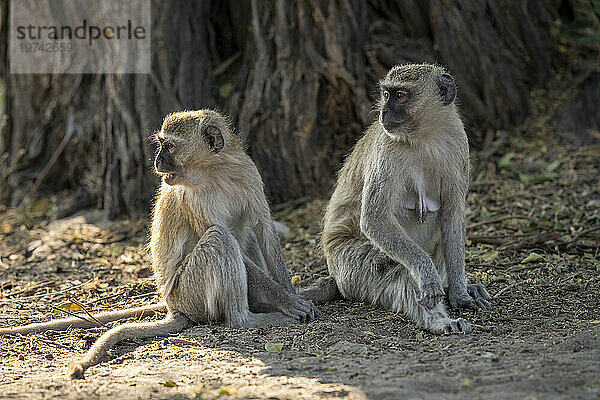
[
  {"x": 173, "y": 323},
  {"x": 364, "y": 273},
  {"x": 264, "y": 291},
  {"x": 212, "y": 284},
  {"x": 258, "y": 303},
  {"x": 323, "y": 290}
]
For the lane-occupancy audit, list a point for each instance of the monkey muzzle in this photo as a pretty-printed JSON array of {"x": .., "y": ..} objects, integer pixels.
[
  {"x": 165, "y": 167},
  {"x": 168, "y": 175},
  {"x": 395, "y": 123}
]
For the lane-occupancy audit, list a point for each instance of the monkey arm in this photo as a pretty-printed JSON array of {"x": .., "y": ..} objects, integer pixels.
[
  {"x": 268, "y": 241},
  {"x": 379, "y": 225}
]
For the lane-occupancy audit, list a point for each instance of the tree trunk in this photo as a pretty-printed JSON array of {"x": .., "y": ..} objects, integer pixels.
[
  {"x": 302, "y": 91},
  {"x": 298, "y": 78},
  {"x": 108, "y": 156}
]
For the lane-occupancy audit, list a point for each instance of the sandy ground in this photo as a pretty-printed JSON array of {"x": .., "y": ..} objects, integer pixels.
[{"x": 541, "y": 340}]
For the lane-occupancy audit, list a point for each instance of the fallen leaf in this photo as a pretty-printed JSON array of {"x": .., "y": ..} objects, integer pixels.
[
  {"x": 74, "y": 307},
  {"x": 532, "y": 257},
  {"x": 506, "y": 160},
  {"x": 226, "y": 391},
  {"x": 169, "y": 383},
  {"x": 69, "y": 306},
  {"x": 537, "y": 178},
  {"x": 553, "y": 166},
  {"x": 490, "y": 255},
  {"x": 273, "y": 347}
]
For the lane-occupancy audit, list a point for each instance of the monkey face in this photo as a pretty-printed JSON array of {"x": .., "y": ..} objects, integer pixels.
[
  {"x": 190, "y": 143},
  {"x": 412, "y": 96},
  {"x": 165, "y": 163},
  {"x": 394, "y": 115}
]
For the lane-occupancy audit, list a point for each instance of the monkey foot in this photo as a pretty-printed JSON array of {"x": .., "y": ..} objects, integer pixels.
[
  {"x": 480, "y": 296},
  {"x": 299, "y": 309},
  {"x": 445, "y": 324},
  {"x": 475, "y": 297},
  {"x": 457, "y": 326}
]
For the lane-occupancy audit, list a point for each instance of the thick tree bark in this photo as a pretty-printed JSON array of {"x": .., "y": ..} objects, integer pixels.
[
  {"x": 302, "y": 91},
  {"x": 299, "y": 81}
]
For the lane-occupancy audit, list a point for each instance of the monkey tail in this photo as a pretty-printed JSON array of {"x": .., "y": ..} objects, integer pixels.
[
  {"x": 173, "y": 323},
  {"x": 323, "y": 290},
  {"x": 75, "y": 322}
]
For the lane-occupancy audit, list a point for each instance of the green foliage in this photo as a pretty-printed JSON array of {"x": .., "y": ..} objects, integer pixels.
[{"x": 584, "y": 30}]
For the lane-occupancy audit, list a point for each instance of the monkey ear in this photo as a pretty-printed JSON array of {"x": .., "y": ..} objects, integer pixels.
[
  {"x": 447, "y": 89},
  {"x": 214, "y": 138}
]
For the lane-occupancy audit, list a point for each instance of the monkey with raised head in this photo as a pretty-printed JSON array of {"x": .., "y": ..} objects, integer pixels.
[
  {"x": 394, "y": 229},
  {"x": 215, "y": 252}
]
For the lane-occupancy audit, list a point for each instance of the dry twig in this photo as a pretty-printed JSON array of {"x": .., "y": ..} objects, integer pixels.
[
  {"x": 506, "y": 288},
  {"x": 500, "y": 219},
  {"x": 88, "y": 313}
]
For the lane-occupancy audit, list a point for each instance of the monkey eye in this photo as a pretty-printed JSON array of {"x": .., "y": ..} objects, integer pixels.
[
  {"x": 386, "y": 95},
  {"x": 401, "y": 95},
  {"x": 168, "y": 146}
]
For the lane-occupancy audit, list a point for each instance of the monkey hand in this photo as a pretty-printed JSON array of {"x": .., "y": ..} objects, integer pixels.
[
  {"x": 296, "y": 307},
  {"x": 430, "y": 286},
  {"x": 473, "y": 296}
]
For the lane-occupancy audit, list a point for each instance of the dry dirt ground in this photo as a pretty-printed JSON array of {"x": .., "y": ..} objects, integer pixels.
[{"x": 534, "y": 215}]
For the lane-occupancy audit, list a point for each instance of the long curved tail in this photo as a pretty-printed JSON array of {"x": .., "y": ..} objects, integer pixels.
[
  {"x": 173, "y": 323},
  {"x": 323, "y": 290},
  {"x": 66, "y": 323}
]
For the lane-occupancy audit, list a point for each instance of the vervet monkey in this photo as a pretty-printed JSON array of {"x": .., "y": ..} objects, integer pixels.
[
  {"x": 394, "y": 229},
  {"x": 215, "y": 253}
]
